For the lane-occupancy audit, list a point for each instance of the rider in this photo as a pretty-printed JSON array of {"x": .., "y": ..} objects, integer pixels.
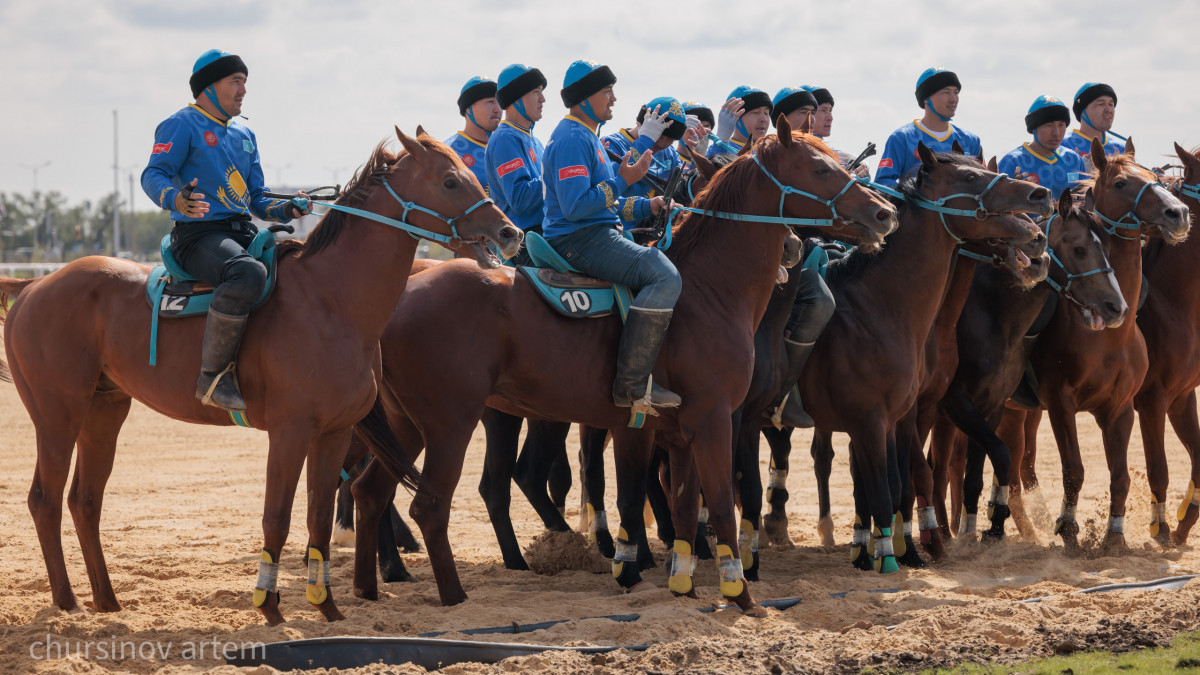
[
  {"x": 796, "y": 104},
  {"x": 659, "y": 122},
  {"x": 700, "y": 118},
  {"x": 477, "y": 104},
  {"x": 937, "y": 93},
  {"x": 581, "y": 188},
  {"x": 745, "y": 117},
  {"x": 201, "y": 150},
  {"x": 514, "y": 155},
  {"x": 823, "y": 125},
  {"x": 1043, "y": 161},
  {"x": 1095, "y": 107}
]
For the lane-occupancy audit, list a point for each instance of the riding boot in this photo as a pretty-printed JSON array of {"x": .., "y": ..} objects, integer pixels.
[
  {"x": 641, "y": 339},
  {"x": 791, "y": 413},
  {"x": 218, "y": 385}
]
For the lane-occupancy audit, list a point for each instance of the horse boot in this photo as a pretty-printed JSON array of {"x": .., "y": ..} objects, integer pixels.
[
  {"x": 641, "y": 340},
  {"x": 997, "y": 511},
  {"x": 218, "y": 385},
  {"x": 788, "y": 411}
]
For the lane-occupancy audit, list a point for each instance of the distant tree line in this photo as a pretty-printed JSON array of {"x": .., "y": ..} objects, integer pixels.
[{"x": 44, "y": 226}]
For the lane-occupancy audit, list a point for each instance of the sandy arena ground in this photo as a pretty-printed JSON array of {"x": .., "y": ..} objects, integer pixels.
[{"x": 182, "y": 533}]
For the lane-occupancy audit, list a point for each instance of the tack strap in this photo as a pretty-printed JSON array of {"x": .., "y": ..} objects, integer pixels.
[
  {"x": 1065, "y": 289},
  {"x": 1135, "y": 223},
  {"x": 1192, "y": 191},
  {"x": 453, "y": 240}
]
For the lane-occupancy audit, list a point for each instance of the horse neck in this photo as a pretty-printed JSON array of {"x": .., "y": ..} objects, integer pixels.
[
  {"x": 1125, "y": 257},
  {"x": 955, "y": 297},
  {"x": 734, "y": 267},
  {"x": 1175, "y": 266},
  {"x": 362, "y": 274}
]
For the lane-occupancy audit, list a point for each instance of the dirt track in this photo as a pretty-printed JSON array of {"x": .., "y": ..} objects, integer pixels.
[{"x": 182, "y": 533}]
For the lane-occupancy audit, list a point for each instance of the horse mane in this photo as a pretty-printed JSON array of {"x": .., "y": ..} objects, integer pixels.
[
  {"x": 727, "y": 190},
  {"x": 326, "y": 232}
]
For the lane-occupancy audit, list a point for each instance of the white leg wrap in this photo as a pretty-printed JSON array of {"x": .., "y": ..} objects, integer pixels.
[
  {"x": 1196, "y": 497},
  {"x": 883, "y": 546},
  {"x": 730, "y": 569},
  {"x": 776, "y": 478},
  {"x": 626, "y": 552},
  {"x": 679, "y": 562},
  {"x": 318, "y": 572},
  {"x": 1067, "y": 513},
  {"x": 907, "y": 529},
  {"x": 1116, "y": 524},
  {"x": 268, "y": 577},
  {"x": 748, "y": 537},
  {"x": 703, "y": 515},
  {"x": 966, "y": 525},
  {"x": 999, "y": 494},
  {"x": 861, "y": 537},
  {"x": 1159, "y": 514},
  {"x": 928, "y": 518}
]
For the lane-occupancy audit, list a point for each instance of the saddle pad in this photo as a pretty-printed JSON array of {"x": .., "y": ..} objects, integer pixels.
[{"x": 576, "y": 295}]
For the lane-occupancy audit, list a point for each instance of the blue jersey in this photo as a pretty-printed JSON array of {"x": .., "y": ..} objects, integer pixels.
[
  {"x": 581, "y": 183},
  {"x": 514, "y": 172},
  {"x": 1082, "y": 145},
  {"x": 900, "y": 152},
  {"x": 1059, "y": 172},
  {"x": 221, "y": 156},
  {"x": 471, "y": 151},
  {"x": 729, "y": 147},
  {"x": 662, "y": 163}
]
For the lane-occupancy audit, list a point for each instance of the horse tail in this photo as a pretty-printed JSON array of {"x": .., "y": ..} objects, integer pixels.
[
  {"x": 9, "y": 289},
  {"x": 377, "y": 434}
]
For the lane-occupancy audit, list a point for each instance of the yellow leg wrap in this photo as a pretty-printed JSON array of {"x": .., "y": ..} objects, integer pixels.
[
  {"x": 1187, "y": 500},
  {"x": 1154, "y": 522},
  {"x": 899, "y": 545},
  {"x": 746, "y": 542},
  {"x": 871, "y": 541},
  {"x": 316, "y": 590},
  {"x": 268, "y": 574},
  {"x": 681, "y": 568},
  {"x": 625, "y": 551},
  {"x": 856, "y": 545},
  {"x": 730, "y": 570}
]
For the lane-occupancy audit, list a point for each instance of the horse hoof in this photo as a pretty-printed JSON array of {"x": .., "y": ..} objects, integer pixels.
[
  {"x": 863, "y": 561},
  {"x": 691, "y": 593},
  {"x": 370, "y": 595},
  {"x": 330, "y": 611},
  {"x": 644, "y": 586},
  {"x": 452, "y": 598},
  {"x": 936, "y": 547},
  {"x": 911, "y": 560},
  {"x": 747, "y": 603},
  {"x": 343, "y": 536},
  {"x": 886, "y": 565},
  {"x": 1114, "y": 544},
  {"x": 270, "y": 610},
  {"x": 518, "y": 565},
  {"x": 394, "y": 577},
  {"x": 775, "y": 525}
]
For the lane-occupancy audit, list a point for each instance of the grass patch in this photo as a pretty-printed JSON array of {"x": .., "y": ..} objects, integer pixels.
[{"x": 1182, "y": 656}]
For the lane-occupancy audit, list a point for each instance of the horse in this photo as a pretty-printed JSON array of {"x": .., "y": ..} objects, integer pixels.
[
  {"x": 864, "y": 375},
  {"x": 1100, "y": 371},
  {"x": 992, "y": 355},
  {"x": 537, "y": 363},
  {"x": 308, "y": 361},
  {"x": 1168, "y": 322}
]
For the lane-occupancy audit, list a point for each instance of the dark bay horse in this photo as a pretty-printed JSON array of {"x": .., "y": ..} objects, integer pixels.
[
  {"x": 308, "y": 363},
  {"x": 534, "y": 362},
  {"x": 1170, "y": 323},
  {"x": 1100, "y": 371},
  {"x": 865, "y": 373},
  {"x": 992, "y": 352}
]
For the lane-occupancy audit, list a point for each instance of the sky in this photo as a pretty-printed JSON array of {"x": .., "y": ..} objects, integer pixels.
[{"x": 329, "y": 80}]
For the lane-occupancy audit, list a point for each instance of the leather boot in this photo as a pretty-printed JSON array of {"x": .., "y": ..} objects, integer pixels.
[
  {"x": 218, "y": 385},
  {"x": 792, "y": 413},
  {"x": 641, "y": 339}
]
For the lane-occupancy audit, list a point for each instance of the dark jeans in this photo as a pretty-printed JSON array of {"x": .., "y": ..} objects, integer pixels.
[
  {"x": 813, "y": 307},
  {"x": 217, "y": 256},
  {"x": 603, "y": 252}
]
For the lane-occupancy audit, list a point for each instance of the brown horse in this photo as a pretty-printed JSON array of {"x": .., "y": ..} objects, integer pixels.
[
  {"x": 1170, "y": 323},
  {"x": 865, "y": 373},
  {"x": 1099, "y": 371},
  {"x": 308, "y": 362},
  {"x": 524, "y": 359}
]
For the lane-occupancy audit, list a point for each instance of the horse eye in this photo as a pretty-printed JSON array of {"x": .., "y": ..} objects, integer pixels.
[
  {"x": 971, "y": 177},
  {"x": 1079, "y": 251},
  {"x": 1119, "y": 184},
  {"x": 822, "y": 171},
  {"x": 450, "y": 184}
]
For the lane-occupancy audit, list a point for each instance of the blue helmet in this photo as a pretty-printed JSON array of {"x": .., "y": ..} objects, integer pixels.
[
  {"x": 583, "y": 79},
  {"x": 752, "y": 97},
  {"x": 820, "y": 93},
  {"x": 476, "y": 89},
  {"x": 1046, "y": 109},
  {"x": 515, "y": 81},
  {"x": 214, "y": 65},
  {"x": 934, "y": 80},
  {"x": 1090, "y": 92},
  {"x": 789, "y": 99},
  {"x": 673, "y": 109}
]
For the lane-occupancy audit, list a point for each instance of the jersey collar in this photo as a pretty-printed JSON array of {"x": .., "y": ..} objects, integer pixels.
[
  {"x": 1103, "y": 137},
  {"x": 1049, "y": 160},
  {"x": 595, "y": 132},
  {"x": 482, "y": 145},
  {"x": 518, "y": 127},
  {"x": 204, "y": 112},
  {"x": 949, "y": 131}
]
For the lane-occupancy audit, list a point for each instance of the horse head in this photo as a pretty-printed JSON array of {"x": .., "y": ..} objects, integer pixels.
[
  {"x": 1028, "y": 263},
  {"x": 450, "y": 200},
  {"x": 1133, "y": 202},
  {"x": 947, "y": 183},
  {"x": 803, "y": 162},
  {"x": 1082, "y": 274}
]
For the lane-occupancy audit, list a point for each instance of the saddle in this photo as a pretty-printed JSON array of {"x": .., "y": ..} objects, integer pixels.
[
  {"x": 174, "y": 293},
  {"x": 567, "y": 290}
]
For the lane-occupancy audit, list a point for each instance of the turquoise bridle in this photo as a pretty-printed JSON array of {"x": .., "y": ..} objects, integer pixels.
[
  {"x": 939, "y": 206},
  {"x": 1136, "y": 223},
  {"x": 1065, "y": 289},
  {"x": 1192, "y": 191},
  {"x": 453, "y": 240}
]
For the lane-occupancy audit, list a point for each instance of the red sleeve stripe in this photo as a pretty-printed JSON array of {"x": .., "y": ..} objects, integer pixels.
[
  {"x": 509, "y": 167},
  {"x": 572, "y": 172}
]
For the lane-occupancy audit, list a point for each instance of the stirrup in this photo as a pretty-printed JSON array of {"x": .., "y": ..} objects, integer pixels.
[
  {"x": 777, "y": 415},
  {"x": 645, "y": 404},
  {"x": 206, "y": 399}
]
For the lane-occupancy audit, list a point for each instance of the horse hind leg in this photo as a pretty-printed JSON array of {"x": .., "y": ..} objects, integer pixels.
[
  {"x": 544, "y": 444},
  {"x": 822, "y": 455},
  {"x": 775, "y": 521},
  {"x": 93, "y": 465},
  {"x": 1187, "y": 427},
  {"x": 1117, "y": 429},
  {"x": 500, "y": 456},
  {"x": 1151, "y": 406}
]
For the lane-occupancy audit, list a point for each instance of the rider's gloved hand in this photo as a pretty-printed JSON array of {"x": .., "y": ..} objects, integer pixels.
[
  {"x": 187, "y": 201},
  {"x": 693, "y": 124},
  {"x": 728, "y": 117},
  {"x": 653, "y": 125}
]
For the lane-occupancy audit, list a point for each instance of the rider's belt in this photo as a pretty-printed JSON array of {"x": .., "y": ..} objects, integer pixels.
[{"x": 235, "y": 223}]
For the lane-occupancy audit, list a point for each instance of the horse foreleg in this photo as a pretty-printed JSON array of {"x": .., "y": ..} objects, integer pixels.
[
  {"x": 941, "y": 450},
  {"x": 1062, "y": 421},
  {"x": 545, "y": 442},
  {"x": 559, "y": 481},
  {"x": 631, "y": 450},
  {"x": 343, "y": 515},
  {"x": 658, "y": 475},
  {"x": 1187, "y": 428},
  {"x": 775, "y": 521},
  {"x": 430, "y": 508},
  {"x": 1116, "y": 427},
  {"x": 285, "y": 458},
  {"x": 371, "y": 490},
  {"x": 93, "y": 465},
  {"x": 873, "y": 470},
  {"x": 916, "y": 481},
  {"x": 1151, "y": 404},
  {"x": 502, "y": 433},
  {"x": 821, "y": 450},
  {"x": 685, "y": 513},
  {"x": 326, "y": 455},
  {"x": 591, "y": 470},
  {"x": 749, "y": 486}
]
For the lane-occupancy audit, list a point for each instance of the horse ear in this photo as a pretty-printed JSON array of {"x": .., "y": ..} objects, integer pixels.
[
  {"x": 421, "y": 131},
  {"x": 1191, "y": 163},
  {"x": 1099, "y": 159},
  {"x": 703, "y": 166},
  {"x": 926, "y": 156},
  {"x": 783, "y": 129},
  {"x": 1129, "y": 146},
  {"x": 956, "y": 147},
  {"x": 1065, "y": 201},
  {"x": 992, "y": 166},
  {"x": 410, "y": 144},
  {"x": 749, "y": 142},
  {"x": 1089, "y": 200}
]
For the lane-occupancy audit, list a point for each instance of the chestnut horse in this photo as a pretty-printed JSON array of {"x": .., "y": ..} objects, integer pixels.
[
  {"x": 537, "y": 363},
  {"x": 992, "y": 353},
  {"x": 308, "y": 363},
  {"x": 1170, "y": 323},
  {"x": 1099, "y": 371},
  {"x": 865, "y": 372}
]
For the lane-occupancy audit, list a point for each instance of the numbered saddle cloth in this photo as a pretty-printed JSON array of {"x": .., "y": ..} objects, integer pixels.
[{"x": 566, "y": 289}]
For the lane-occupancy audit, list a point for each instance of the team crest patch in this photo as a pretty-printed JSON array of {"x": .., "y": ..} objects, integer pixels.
[
  {"x": 885, "y": 163},
  {"x": 1032, "y": 178},
  {"x": 532, "y": 156},
  {"x": 210, "y": 138},
  {"x": 509, "y": 167},
  {"x": 247, "y": 145},
  {"x": 572, "y": 172},
  {"x": 161, "y": 148},
  {"x": 469, "y": 160}
]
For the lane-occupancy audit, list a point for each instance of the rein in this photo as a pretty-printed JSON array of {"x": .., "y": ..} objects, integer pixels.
[
  {"x": 938, "y": 206},
  {"x": 1065, "y": 289},
  {"x": 1192, "y": 191},
  {"x": 1136, "y": 223},
  {"x": 453, "y": 240}
]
